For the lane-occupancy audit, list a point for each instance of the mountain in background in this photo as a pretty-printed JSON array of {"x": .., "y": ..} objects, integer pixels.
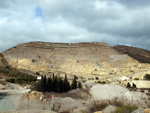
[
  {"x": 141, "y": 55},
  {"x": 74, "y": 59}
]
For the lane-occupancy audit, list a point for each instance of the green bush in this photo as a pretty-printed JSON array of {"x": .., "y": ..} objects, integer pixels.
[
  {"x": 21, "y": 79},
  {"x": 11, "y": 80},
  {"x": 103, "y": 82},
  {"x": 125, "y": 109}
]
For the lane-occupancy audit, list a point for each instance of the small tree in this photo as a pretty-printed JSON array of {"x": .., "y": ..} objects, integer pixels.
[
  {"x": 39, "y": 86},
  {"x": 79, "y": 85},
  {"x": 147, "y": 77},
  {"x": 55, "y": 84},
  {"x": 96, "y": 78},
  {"x": 45, "y": 83},
  {"x": 61, "y": 86},
  {"x": 74, "y": 83},
  {"x": 134, "y": 86},
  {"x": 49, "y": 84},
  {"x": 128, "y": 85}
]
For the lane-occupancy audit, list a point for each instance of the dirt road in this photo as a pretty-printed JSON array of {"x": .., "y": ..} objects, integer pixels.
[{"x": 10, "y": 99}]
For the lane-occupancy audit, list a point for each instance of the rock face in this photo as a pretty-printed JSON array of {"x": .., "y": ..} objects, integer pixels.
[
  {"x": 140, "y": 55},
  {"x": 109, "y": 109},
  {"x": 102, "y": 92},
  {"x": 142, "y": 83},
  {"x": 79, "y": 59},
  {"x": 3, "y": 62}
]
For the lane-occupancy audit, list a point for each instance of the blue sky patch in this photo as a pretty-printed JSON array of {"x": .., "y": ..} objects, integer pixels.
[{"x": 38, "y": 12}]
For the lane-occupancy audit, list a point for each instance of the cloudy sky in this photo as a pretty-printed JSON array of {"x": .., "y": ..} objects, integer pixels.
[{"x": 123, "y": 22}]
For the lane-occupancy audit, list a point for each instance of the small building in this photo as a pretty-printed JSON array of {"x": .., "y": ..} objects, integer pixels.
[{"x": 39, "y": 78}]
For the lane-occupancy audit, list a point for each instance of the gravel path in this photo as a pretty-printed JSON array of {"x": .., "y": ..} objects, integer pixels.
[{"x": 10, "y": 99}]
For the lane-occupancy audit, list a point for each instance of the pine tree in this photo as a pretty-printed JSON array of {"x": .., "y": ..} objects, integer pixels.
[
  {"x": 134, "y": 86},
  {"x": 65, "y": 84},
  {"x": 55, "y": 84},
  {"x": 68, "y": 86},
  {"x": 61, "y": 86},
  {"x": 49, "y": 84},
  {"x": 40, "y": 85},
  {"x": 128, "y": 85},
  {"x": 74, "y": 83},
  {"x": 45, "y": 83},
  {"x": 79, "y": 85}
]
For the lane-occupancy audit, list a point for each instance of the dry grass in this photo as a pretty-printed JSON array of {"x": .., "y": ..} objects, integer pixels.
[
  {"x": 100, "y": 105},
  {"x": 126, "y": 109},
  {"x": 116, "y": 102}
]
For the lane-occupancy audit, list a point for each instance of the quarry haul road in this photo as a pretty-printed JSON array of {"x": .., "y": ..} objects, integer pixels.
[{"x": 10, "y": 99}]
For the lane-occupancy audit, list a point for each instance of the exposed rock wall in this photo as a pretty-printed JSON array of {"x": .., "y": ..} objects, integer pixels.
[
  {"x": 79, "y": 59},
  {"x": 3, "y": 62}
]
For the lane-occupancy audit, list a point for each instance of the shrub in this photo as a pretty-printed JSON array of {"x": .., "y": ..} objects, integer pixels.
[
  {"x": 125, "y": 109},
  {"x": 134, "y": 86},
  {"x": 98, "y": 105},
  {"x": 136, "y": 78},
  {"x": 147, "y": 77},
  {"x": 3, "y": 82},
  {"x": 128, "y": 85},
  {"x": 11, "y": 80},
  {"x": 96, "y": 78},
  {"x": 103, "y": 82},
  {"x": 117, "y": 102}
]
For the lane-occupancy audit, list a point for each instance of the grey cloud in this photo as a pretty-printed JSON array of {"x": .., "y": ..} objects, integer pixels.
[
  {"x": 134, "y": 3},
  {"x": 111, "y": 21}
]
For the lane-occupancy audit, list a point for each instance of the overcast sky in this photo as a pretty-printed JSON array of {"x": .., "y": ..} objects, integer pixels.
[{"x": 123, "y": 22}]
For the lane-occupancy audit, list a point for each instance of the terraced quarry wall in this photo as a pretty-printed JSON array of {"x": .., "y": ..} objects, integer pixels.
[{"x": 79, "y": 59}]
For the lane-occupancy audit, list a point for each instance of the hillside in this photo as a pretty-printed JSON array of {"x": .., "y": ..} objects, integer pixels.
[
  {"x": 6, "y": 71},
  {"x": 79, "y": 58},
  {"x": 3, "y": 62},
  {"x": 141, "y": 55}
]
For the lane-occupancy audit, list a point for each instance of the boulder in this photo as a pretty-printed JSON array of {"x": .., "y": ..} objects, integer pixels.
[
  {"x": 140, "y": 110},
  {"x": 65, "y": 103},
  {"x": 109, "y": 109},
  {"x": 147, "y": 110},
  {"x": 109, "y": 91},
  {"x": 36, "y": 95},
  {"x": 142, "y": 83}
]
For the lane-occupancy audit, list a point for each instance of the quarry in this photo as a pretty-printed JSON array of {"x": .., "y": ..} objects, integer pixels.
[{"x": 112, "y": 78}]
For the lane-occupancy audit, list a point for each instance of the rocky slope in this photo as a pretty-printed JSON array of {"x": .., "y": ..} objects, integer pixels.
[
  {"x": 140, "y": 55},
  {"x": 79, "y": 59},
  {"x": 3, "y": 62}
]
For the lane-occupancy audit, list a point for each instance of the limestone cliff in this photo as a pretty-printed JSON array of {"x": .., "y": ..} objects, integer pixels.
[{"x": 79, "y": 58}]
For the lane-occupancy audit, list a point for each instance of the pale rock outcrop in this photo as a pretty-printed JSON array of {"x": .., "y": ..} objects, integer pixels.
[
  {"x": 109, "y": 109},
  {"x": 107, "y": 91}
]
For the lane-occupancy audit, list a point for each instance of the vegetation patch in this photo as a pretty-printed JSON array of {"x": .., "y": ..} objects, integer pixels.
[
  {"x": 126, "y": 109},
  {"x": 101, "y": 82},
  {"x": 56, "y": 84},
  {"x": 15, "y": 76},
  {"x": 147, "y": 77}
]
